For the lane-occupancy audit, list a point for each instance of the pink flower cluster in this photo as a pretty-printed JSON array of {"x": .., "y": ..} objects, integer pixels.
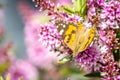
[
  {"x": 111, "y": 13},
  {"x": 101, "y": 14}
]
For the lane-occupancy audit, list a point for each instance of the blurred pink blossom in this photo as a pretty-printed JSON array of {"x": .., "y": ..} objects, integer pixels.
[
  {"x": 37, "y": 53},
  {"x": 6, "y": 54},
  {"x": 64, "y": 2},
  {"x": 24, "y": 69}
]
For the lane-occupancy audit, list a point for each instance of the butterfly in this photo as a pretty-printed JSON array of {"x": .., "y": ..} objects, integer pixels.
[{"x": 76, "y": 36}]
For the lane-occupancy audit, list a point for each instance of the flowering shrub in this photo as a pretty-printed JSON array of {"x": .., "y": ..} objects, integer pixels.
[
  {"x": 86, "y": 32},
  {"x": 65, "y": 39}
]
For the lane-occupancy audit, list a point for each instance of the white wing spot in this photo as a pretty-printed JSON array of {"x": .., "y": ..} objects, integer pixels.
[
  {"x": 61, "y": 32},
  {"x": 64, "y": 26}
]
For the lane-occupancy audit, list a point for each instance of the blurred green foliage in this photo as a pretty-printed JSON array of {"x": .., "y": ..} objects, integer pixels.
[
  {"x": 79, "y": 7},
  {"x": 3, "y": 67},
  {"x": 9, "y": 78},
  {"x": 116, "y": 52}
]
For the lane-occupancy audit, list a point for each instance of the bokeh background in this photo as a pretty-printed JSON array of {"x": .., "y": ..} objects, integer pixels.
[{"x": 14, "y": 25}]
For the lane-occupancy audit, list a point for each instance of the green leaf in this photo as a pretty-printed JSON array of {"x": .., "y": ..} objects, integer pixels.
[
  {"x": 1, "y": 78},
  {"x": 118, "y": 33},
  {"x": 80, "y": 7},
  {"x": 83, "y": 10},
  {"x": 77, "y": 5},
  {"x": 4, "y": 66},
  {"x": 95, "y": 74},
  {"x": 116, "y": 54},
  {"x": 65, "y": 59},
  {"x": 68, "y": 11},
  {"x": 82, "y": 3}
]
